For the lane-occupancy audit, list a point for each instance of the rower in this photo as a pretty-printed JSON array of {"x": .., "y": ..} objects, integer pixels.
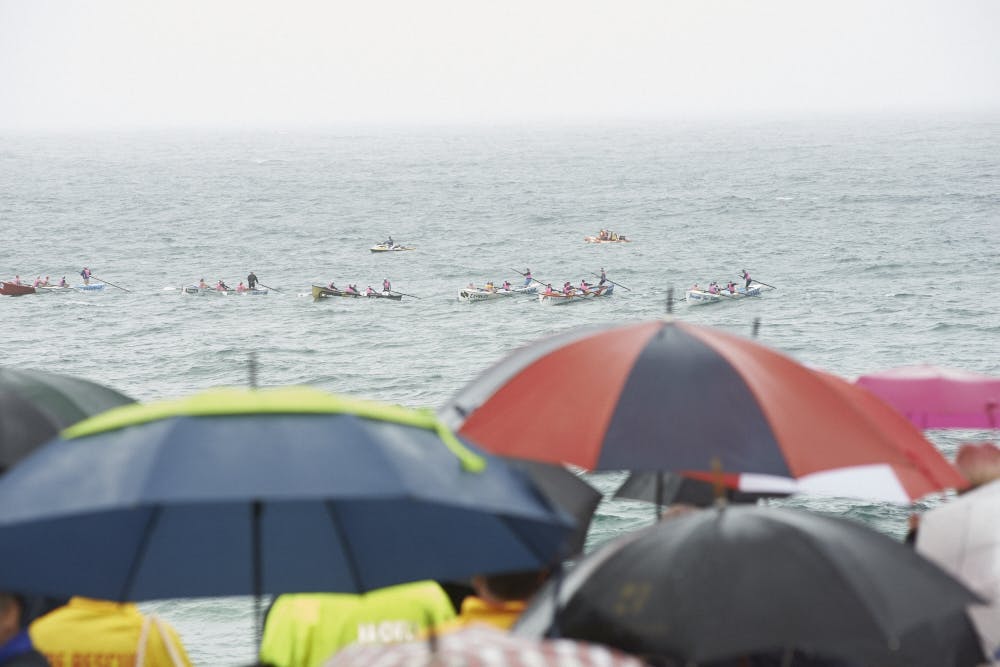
[
  {"x": 713, "y": 288},
  {"x": 45, "y": 283},
  {"x": 17, "y": 280},
  {"x": 221, "y": 286},
  {"x": 506, "y": 285},
  {"x": 62, "y": 282},
  {"x": 333, "y": 287},
  {"x": 732, "y": 287},
  {"x": 489, "y": 286},
  {"x": 241, "y": 287},
  {"x": 370, "y": 291},
  {"x": 549, "y": 290},
  {"x": 38, "y": 282},
  {"x": 252, "y": 280},
  {"x": 567, "y": 288},
  {"x": 202, "y": 284},
  {"x": 386, "y": 285},
  {"x": 584, "y": 286},
  {"x": 695, "y": 288},
  {"x": 389, "y": 242},
  {"x": 352, "y": 289}
]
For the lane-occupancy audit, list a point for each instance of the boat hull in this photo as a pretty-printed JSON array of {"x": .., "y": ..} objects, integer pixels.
[
  {"x": 384, "y": 248},
  {"x": 560, "y": 299},
  {"x": 703, "y": 298},
  {"x": 319, "y": 293},
  {"x": 10, "y": 289},
  {"x": 477, "y": 295},
  {"x": 194, "y": 290},
  {"x": 594, "y": 239}
]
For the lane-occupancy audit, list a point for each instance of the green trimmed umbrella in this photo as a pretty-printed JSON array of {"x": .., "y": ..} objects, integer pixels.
[
  {"x": 236, "y": 492},
  {"x": 35, "y": 405}
]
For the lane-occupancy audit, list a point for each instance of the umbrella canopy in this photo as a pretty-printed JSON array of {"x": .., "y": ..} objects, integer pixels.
[
  {"x": 36, "y": 405},
  {"x": 237, "y": 491},
  {"x": 963, "y": 537},
  {"x": 666, "y": 395},
  {"x": 718, "y": 584},
  {"x": 936, "y": 397},
  {"x": 482, "y": 646}
]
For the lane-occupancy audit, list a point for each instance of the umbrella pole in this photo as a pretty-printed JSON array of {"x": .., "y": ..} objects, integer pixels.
[
  {"x": 258, "y": 579},
  {"x": 658, "y": 505}
]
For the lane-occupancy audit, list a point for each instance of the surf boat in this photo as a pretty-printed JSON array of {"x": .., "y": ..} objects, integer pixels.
[
  {"x": 703, "y": 297},
  {"x": 194, "y": 290},
  {"x": 474, "y": 294},
  {"x": 12, "y": 289},
  {"x": 319, "y": 292},
  {"x": 385, "y": 247},
  {"x": 615, "y": 239},
  {"x": 560, "y": 299}
]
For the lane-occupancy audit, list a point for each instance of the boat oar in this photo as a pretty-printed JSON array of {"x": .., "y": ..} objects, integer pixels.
[
  {"x": 526, "y": 275},
  {"x": 612, "y": 282},
  {"x": 122, "y": 288},
  {"x": 759, "y": 282},
  {"x": 268, "y": 287},
  {"x": 392, "y": 291}
]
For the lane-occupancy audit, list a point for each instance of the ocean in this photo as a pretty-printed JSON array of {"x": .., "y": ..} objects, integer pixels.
[{"x": 880, "y": 234}]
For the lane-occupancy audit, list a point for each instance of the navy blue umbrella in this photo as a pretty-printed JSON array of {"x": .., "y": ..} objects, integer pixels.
[{"x": 251, "y": 492}]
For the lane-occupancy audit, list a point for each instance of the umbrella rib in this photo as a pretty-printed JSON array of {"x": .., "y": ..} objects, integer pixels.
[
  {"x": 147, "y": 535},
  {"x": 352, "y": 563}
]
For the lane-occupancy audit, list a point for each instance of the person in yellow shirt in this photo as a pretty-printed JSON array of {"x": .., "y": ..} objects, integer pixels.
[
  {"x": 499, "y": 600},
  {"x": 98, "y": 632},
  {"x": 303, "y": 630}
]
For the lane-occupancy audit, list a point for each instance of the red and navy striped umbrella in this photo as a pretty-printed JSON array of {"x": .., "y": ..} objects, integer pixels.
[{"x": 667, "y": 395}]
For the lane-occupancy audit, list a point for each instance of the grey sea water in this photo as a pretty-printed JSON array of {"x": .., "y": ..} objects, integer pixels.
[{"x": 881, "y": 236}]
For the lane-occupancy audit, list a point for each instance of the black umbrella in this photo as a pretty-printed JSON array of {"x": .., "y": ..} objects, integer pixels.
[
  {"x": 674, "y": 488},
  {"x": 723, "y": 583},
  {"x": 36, "y": 405}
]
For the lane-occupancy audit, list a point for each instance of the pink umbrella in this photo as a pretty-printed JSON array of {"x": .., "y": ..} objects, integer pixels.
[{"x": 936, "y": 397}]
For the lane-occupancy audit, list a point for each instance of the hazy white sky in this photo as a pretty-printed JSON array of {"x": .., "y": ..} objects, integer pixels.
[{"x": 122, "y": 63}]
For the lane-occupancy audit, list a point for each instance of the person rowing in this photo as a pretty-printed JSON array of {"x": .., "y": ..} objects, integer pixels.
[
  {"x": 731, "y": 287},
  {"x": 332, "y": 287},
  {"x": 45, "y": 283},
  {"x": 62, "y": 282},
  {"x": 221, "y": 286},
  {"x": 38, "y": 282},
  {"x": 584, "y": 286},
  {"x": 353, "y": 289},
  {"x": 241, "y": 288},
  {"x": 549, "y": 290},
  {"x": 16, "y": 281},
  {"x": 386, "y": 285},
  {"x": 370, "y": 292},
  {"x": 252, "y": 280},
  {"x": 506, "y": 286},
  {"x": 713, "y": 288},
  {"x": 567, "y": 289},
  {"x": 202, "y": 284},
  {"x": 490, "y": 287}
]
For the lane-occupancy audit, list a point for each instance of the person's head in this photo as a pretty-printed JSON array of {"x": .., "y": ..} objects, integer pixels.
[
  {"x": 11, "y": 616},
  {"x": 979, "y": 462},
  {"x": 496, "y": 589}
]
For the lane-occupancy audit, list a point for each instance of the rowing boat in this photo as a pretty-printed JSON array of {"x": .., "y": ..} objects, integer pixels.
[
  {"x": 702, "y": 297},
  {"x": 560, "y": 299},
  {"x": 319, "y": 292},
  {"x": 476, "y": 294},
  {"x": 385, "y": 247},
  {"x": 53, "y": 289},
  {"x": 12, "y": 289},
  {"x": 194, "y": 290},
  {"x": 598, "y": 239}
]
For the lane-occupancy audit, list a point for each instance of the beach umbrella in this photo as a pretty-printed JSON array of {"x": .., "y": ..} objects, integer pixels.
[
  {"x": 963, "y": 537},
  {"x": 669, "y": 396},
  {"x": 236, "y": 492},
  {"x": 937, "y": 397},
  {"x": 36, "y": 405},
  {"x": 723, "y": 583},
  {"x": 482, "y": 646}
]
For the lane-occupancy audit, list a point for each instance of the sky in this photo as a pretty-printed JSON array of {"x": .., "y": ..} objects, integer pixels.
[{"x": 68, "y": 64}]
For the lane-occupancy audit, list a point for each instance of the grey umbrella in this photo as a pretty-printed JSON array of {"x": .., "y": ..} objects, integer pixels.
[{"x": 723, "y": 583}]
